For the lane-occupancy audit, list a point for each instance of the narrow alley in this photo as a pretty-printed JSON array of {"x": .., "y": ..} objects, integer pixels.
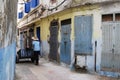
[
  {"x": 51, "y": 71},
  {"x": 75, "y": 39}
]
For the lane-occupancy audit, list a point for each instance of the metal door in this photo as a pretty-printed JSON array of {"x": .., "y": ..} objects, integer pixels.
[
  {"x": 110, "y": 47},
  {"x": 107, "y": 46},
  {"x": 53, "y": 40},
  {"x": 116, "y": 67},
  {"x": 65, "y": 55},
  {"x": 83, "y": 34}
]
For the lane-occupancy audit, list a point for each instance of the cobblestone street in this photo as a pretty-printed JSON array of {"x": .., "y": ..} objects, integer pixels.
[{"x": 51, "y": 71}]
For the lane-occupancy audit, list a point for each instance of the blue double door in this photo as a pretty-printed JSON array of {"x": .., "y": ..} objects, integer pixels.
[{"x": 65, "y": 49}]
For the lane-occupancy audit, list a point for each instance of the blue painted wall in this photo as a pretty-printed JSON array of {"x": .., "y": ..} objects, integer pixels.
[
  {"x": 8, "y": 21},
  {"x": 7, "y": 62}
]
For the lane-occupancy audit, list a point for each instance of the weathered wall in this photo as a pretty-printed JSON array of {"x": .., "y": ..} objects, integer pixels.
[
  {"x": 45, "y": 24},
  {"x": 110, "y": 8},
  {"x": 96, "y": 34},
  {"x": 71, "y": 13},
  {"x": 8, "y": 16},
  {"x": 96, "y": 11}
]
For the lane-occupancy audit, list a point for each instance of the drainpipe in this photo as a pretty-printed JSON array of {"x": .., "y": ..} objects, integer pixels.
[{"x": 95, "y": 55}]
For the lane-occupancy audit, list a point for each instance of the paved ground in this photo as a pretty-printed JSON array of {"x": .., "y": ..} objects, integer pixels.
[{"x": 51, "y": 71}]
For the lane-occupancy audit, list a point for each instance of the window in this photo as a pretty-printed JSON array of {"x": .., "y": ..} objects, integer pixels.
[
  {"x": 117, "y": 17},
  {"x": 107, "y": 17}
]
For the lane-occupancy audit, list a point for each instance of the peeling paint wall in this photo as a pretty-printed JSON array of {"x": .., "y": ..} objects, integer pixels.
[
  {"x": 93, "y": 10},
  {"x": 96, "y": 11},
  {"x": 45, "y": 24},
  {"x": 106, "y": 8},
  {"x": 8, "y": 17}
]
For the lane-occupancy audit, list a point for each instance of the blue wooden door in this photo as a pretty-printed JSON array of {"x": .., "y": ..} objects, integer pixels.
[
  {"x": 65, "y": 55},
  {"x": 83, "y": 34},
  {"x": 38, "y": 33}
]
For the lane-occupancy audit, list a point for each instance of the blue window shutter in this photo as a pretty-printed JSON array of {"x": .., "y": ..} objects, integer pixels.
[
  {"x": 27, "y": 7},
  {"x": 37, "y": 2},
  {"x": 34, "y": 3},
  {"x": 20, "y": 15}
]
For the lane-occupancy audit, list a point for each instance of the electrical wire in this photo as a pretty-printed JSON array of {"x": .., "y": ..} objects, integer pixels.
[{"x": 57, "y": 6}]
